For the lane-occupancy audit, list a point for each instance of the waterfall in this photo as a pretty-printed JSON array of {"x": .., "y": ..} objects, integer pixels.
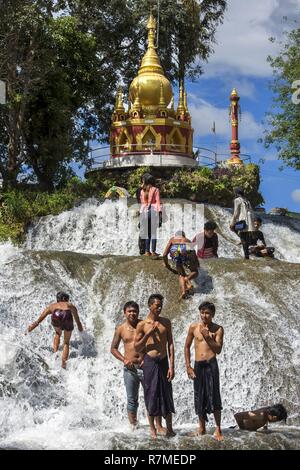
[{"x": 91, "y": 252}]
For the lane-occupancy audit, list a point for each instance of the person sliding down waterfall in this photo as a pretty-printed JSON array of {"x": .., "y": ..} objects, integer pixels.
[
  {"x": 154, "y": 337},
  {"x": 256, "y": 419},
  {"x": 208, "y": 340},
  {"x": 62, "y": 314},
  {"x": 132, "y": 360},
  {"x": 179, "y": 249},
  {"x": 150, "y": 214},
  {"x": 243, "y": 220}
]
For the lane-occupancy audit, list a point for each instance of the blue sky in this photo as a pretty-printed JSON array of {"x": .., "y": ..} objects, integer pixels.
[{"x": 240, "y": 61}]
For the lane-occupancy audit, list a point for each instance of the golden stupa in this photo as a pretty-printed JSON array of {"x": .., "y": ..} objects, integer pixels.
[{"x": 151, "y": 131}]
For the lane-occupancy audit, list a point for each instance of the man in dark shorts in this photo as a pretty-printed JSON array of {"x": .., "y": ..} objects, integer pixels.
[
  {"x": 208, "y": 340},
  {"x": 132, "y": 360},
  {"x": 154, "y": 337},
  {"x": 62, "y": 314},
  {"x": 257, "y": 243}
]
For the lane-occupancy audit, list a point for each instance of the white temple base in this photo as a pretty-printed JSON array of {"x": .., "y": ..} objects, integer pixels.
[{"x": 150, "y": 160}]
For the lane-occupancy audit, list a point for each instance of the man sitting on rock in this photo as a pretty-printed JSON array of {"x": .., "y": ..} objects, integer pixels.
[{"x": 257, "y": 244}]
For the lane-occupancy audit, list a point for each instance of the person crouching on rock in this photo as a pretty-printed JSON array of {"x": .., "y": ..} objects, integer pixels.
[
  {"x": 207, "y": 242},
  {"x": 179, "y": 249},
  {"x": 258, "y": 246},
  {"x": 62, "y": 314}
]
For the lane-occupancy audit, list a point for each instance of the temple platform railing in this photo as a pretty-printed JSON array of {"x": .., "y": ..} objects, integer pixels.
[{"x": 101, "y": 156}]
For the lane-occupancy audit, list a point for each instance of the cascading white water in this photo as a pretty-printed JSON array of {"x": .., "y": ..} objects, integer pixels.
[
  {"x": 112, "y": 228},
  {"x": 84, "y": 407}
]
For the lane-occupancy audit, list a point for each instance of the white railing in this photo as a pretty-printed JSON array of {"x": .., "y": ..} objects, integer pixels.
[{"x": 100, "y": 156}]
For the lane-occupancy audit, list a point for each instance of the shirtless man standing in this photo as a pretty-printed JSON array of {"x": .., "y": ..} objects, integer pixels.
[
  {"x": 133, "y": 374},
  {"x": 62, "y": 314},
  {"x": 208, "y": 339},
  {"x": 132, "y": 360},
  {"x": 154, "y": 336}
]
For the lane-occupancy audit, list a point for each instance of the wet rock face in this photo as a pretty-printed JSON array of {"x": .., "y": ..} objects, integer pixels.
[
  {"x": 95, "y": 228},
  {"x": 26, "y": 376},
  {"x": 257, "y": 303}
]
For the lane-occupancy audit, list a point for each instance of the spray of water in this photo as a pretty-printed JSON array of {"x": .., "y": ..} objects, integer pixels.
[{"x": 84, "y": 407}]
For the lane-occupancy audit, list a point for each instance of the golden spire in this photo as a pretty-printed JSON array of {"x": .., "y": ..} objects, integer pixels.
[
  {"x": 119, "y": 106},
  {"x": 150, "y": 76},
  {"x": 185, "y": 102},
  {"x": 181, "y": 107},
  {"x": 172, "y": 103},
  {"x": 137, "y": 102},
  {"x": 162, "y": 102},
  {"x": 234, "y": 92},
  {"x": 151, "y": 62}
]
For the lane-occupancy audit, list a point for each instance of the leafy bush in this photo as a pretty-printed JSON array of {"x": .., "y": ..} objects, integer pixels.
[{"x": 18, "y": 208}]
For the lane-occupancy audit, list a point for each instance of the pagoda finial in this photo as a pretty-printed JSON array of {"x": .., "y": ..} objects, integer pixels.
[
  {"x": 235, "y": 147},
  {"x": 185, "y": 102},
  {"x": 119, "y": 106},
  {"x": 137, "y": 102},
  {"x": 181, "y": 107},
  {"x": 162, "y": 102},
  {"x": 172, "y": 103},
  {"x": 151, "y": 26},
  {"x": 234, "y": 92}
]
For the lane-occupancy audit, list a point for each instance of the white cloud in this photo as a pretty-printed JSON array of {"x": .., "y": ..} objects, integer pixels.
[
  {"x": 204, "y": 114},
  {"x": 243, "y": 39},
  {"x": 296, "y": 195}
]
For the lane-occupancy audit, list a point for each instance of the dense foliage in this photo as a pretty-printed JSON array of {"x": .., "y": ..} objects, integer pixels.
[
  {"x": 284, "y": 121},
  {"x": 18, "y": 208},
  {"x": 62, "y": 61}
]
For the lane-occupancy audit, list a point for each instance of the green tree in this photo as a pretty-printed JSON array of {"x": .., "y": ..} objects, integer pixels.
[
  {"x": 21, "y": 28},
  {"x": 284, "y": 121},
  {"x": 186, "y": 32},
  {"x": 62, "y": 60},
  {"x": 63, "y": 108}
]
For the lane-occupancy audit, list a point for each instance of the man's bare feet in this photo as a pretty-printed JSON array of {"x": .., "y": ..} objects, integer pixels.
[
  {"x": 197, "y": 433},
  {"x": 161, "y": 430},
  {"x": 147, "y": 253},
  {"x": 64, "y": 365},
  {"x": 188, "y": 283},
  {"x": 153, "y": 433},
  {"x": 218, "y": 435}
]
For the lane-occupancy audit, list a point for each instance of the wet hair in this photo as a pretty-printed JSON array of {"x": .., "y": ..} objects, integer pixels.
[
  {"x": 154, "y": 297},
  {"x": 239, "y": 192},
  {"x": 210, "y": 225},
  {"x": 132, "y": 304},
  {"x": 145, "y": 176},
  {"x": 277, "y": 410},
  {"x": 208, "y": 306},
  {"x": 149, "y": 179},
  {"x": 179, "y": 233},
  {"x": 258, "y": 219},
  {"x": 62, "y": 297}
]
